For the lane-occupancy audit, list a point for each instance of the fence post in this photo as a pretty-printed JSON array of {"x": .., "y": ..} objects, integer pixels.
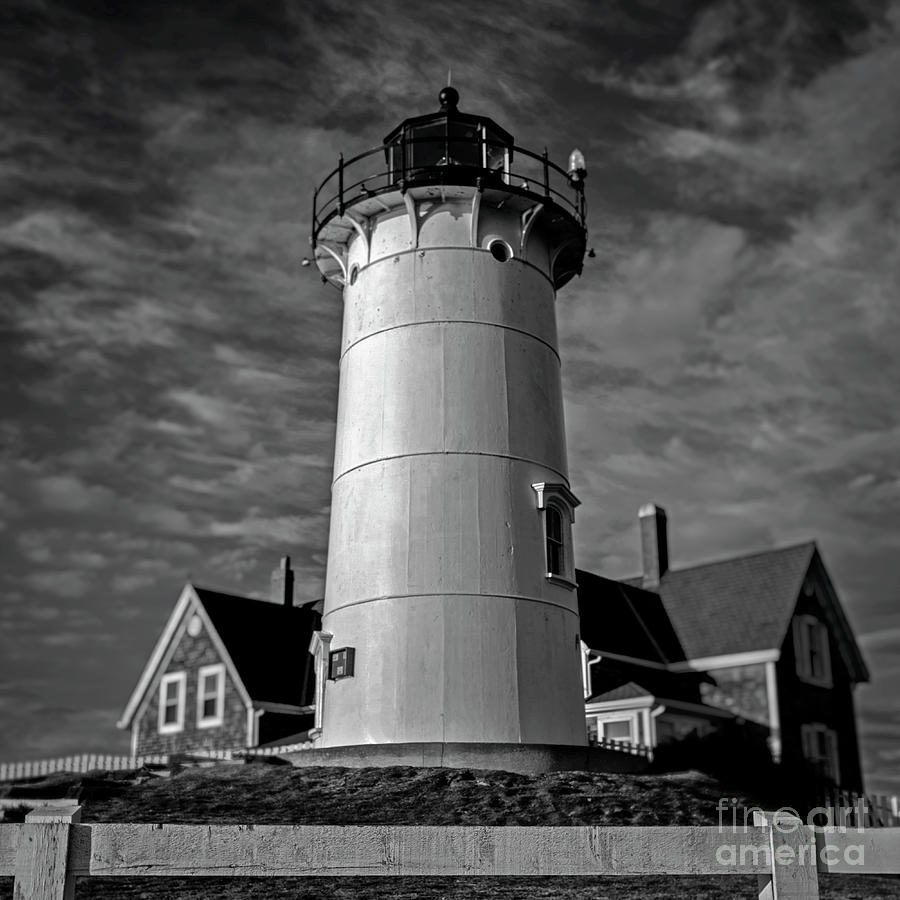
[
  {"x": 41, "y": 859},
  {"x": 792, "y": 857}
]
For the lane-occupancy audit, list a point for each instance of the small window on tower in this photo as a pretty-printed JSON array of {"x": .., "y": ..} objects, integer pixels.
[
  {"x": 341, "y": 663},
  {"x": 556, "y": 504},
  {"x": 555, "y": 549}
]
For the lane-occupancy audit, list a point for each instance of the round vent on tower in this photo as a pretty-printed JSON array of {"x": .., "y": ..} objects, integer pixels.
[{"x": 500, "y": 250}]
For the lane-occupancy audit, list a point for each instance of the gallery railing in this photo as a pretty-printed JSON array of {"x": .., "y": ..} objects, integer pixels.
[{"x": 423, "y": 161}]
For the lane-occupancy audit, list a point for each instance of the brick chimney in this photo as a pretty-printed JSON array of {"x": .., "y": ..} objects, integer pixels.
[
  {"x": 654, "y": 544},
  {"x": 282, "y": 589}
]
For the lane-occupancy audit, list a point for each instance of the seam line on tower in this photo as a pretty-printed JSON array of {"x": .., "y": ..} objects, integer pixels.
[
  {"x": 524, "y": 459},
  {"x": 451, "y": 594},
  {"x": 478, "y": 322},
  {"x": 418, "y": 249}
]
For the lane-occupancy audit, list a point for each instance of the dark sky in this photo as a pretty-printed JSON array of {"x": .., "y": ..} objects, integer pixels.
[{"x": 170, "y": 371}]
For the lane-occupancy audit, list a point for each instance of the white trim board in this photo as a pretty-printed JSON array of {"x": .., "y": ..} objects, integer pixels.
[
  {"x": 726, "y": 661},
  {"x": 647, "y": 663},
  {"x": 774, "y": 713},
  {"x": 597, "y": 706}
]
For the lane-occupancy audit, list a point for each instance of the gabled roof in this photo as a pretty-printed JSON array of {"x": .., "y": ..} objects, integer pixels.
[
  {"x": 745, "y": 604},
  {"x": 263, "y": 645},
  {"x": 735, "y": 605},
  {"x": 625, "y": 620},
  {"x": 267, "y": 643}
]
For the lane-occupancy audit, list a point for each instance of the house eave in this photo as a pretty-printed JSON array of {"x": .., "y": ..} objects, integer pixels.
[
  {"x": 159, "y": 651},
  {"x": 726, "y": 661}
]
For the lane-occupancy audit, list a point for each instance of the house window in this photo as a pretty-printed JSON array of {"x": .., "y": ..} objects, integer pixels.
[
  {"x": 811, "y": 650},
  {"x": 171, "y": 702},
  {"x": 557, "y": 503},
  {"x": 211, "y": 696},
  {"x": 340, "y": 663},
  {"x": 820, "y": 747},
  {"x": 617, "y": 730},
  {"x": 611, "y": 728}
]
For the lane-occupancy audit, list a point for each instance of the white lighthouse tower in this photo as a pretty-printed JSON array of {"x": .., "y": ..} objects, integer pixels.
[{"x": 450, "y": 610}]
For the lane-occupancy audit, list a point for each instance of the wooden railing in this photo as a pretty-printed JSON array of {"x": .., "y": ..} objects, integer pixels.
[{"x": 51, "y": 849}]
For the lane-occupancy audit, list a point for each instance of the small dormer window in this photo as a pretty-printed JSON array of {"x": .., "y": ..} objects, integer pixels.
[
  {"x": 556, "y": 504},
  {"x": 811, "y": 650}
]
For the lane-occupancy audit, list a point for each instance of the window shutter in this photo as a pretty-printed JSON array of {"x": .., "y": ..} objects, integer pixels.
[
  {"x": 824, "y": 653},
  {"x": 801, "y": 646},
  {"x": 807, "y": 738},
  {"x": 834, "y": 760}
]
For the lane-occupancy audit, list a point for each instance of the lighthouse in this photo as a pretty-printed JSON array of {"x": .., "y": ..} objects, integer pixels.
[{"x": 450, "y": 613}]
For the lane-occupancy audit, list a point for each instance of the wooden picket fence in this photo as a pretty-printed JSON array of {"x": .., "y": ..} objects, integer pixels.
[
  {"x": 83, "y": 762},
  {"x": 52, "y": 849},
  {"x": 869, "y": 810},
  {"x": 634, "y": 749},
  {"x": 90, "y": 762}
]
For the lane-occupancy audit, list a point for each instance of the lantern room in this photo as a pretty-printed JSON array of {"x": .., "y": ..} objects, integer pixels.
[{"x": 448, "y": 138}]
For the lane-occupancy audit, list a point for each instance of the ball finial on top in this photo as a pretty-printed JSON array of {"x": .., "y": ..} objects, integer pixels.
[{"x": 448, "y": 97}]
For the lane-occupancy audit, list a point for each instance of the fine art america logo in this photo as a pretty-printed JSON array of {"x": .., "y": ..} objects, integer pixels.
[{"x": 822, "y": 820}]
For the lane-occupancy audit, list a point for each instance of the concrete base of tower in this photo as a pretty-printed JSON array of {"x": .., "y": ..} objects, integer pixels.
[{"x": 526, "y": 759}]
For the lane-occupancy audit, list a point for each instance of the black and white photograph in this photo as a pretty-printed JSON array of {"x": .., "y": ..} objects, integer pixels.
[{"x": 450, "y": 451}]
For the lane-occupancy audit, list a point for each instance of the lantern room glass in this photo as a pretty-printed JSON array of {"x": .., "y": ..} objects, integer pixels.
[{"x": 446, "y": 141}]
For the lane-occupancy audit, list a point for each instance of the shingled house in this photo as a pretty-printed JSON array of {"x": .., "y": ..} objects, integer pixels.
[
  {"x": 758, "y": 639},
  {"x": 226, "y": 673}
]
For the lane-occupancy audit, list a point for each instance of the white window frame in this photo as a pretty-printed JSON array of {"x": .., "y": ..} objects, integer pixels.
[
  {"x": 179, "y": 679},
  {"x": 602, "y": 719},
  {"x": 216, "y": 671},
  {"x": 810, "y": 735},
  {"x": 563, "y": 501},
  {"x": 807, "y": 629}
]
